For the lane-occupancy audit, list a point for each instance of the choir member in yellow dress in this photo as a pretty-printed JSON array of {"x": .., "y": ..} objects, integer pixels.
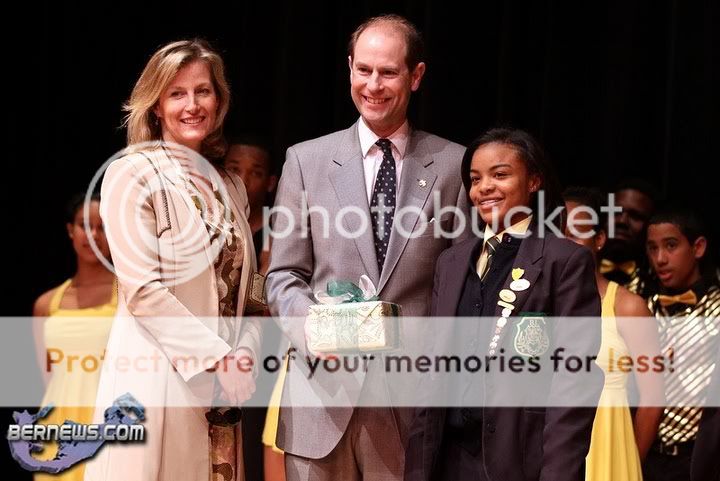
[
  {"x": 617, "y": 444},
  {"x": 72, "y": 324}
]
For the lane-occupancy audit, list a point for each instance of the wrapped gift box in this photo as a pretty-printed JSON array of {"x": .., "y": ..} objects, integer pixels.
[{"x": 353, "y": 327}]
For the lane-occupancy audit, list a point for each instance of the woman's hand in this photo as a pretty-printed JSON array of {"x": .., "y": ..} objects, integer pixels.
[{"x": 235, "y": 375}]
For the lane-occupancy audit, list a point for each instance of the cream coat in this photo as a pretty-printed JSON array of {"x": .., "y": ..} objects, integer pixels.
[{"x": 160, "y": 324}]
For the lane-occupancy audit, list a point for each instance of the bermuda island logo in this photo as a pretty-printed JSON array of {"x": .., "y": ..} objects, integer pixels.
[{"x": 76, "y": 442}]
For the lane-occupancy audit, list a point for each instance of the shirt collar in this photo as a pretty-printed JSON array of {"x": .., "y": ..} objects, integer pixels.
[
  {"x": 399, "y": 138},
  {"x": 517, "y": 229}
]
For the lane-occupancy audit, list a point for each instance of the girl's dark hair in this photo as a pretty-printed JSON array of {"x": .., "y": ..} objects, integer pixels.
[
  {"x": 76, "y": 203},
  {"x": 588, "y": 197},
  {"x": 691, "y": 226},
  {"x": 531, "y": 153},
  {"x": 259, "y": 141}
]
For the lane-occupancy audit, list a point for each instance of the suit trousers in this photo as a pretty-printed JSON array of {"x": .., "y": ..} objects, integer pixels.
[{"x": 371, "y": 449}]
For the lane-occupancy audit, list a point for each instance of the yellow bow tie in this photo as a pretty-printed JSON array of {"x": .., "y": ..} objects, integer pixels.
[
  {"x": 687, "y": 297},
  {"x": 606, "y": 265}
]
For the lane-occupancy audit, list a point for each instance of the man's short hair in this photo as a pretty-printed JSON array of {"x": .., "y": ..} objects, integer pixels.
[
  {"x": 413, "y": 37},
  {"x": 688, "y": 222},
  {"x": 640, "y": 185}
]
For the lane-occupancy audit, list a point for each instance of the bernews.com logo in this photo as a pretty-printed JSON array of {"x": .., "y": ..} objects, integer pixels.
[{"x": 75, "y": 442}]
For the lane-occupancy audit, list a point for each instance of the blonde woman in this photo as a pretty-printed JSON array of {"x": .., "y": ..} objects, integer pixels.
[{"x": 182, "y": 249}]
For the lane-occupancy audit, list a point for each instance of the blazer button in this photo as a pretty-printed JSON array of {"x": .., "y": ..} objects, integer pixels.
[{"x": 490, "y": 427}]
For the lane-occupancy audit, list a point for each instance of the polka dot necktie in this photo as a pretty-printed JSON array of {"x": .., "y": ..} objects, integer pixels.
[{"x": 382, "y": 204}]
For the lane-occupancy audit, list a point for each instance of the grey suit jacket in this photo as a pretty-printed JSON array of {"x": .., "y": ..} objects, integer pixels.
[{"x": 329, "y": 172}]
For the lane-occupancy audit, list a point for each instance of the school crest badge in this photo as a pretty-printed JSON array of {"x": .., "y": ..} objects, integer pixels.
[{"x": 531, "y": 338}]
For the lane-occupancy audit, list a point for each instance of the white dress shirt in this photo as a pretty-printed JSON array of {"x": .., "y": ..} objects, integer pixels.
[
  {"x": 373, "y": 156},
  {"x": 518, "y": 229}
]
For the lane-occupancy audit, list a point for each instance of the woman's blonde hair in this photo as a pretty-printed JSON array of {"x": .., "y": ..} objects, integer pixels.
[{"x": 142, "y": 123}]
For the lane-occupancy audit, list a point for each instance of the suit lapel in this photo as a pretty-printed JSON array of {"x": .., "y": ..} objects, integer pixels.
[
  {"x": 528, "y": 258},
  {"x": 411, "y": 198},
  {"x": 348, "y": 181}
]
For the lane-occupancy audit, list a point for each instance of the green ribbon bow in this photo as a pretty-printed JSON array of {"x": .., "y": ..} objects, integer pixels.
[{"x": 348, "y": 290}]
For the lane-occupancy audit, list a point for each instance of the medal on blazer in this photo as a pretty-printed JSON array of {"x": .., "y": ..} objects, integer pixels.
[
  {"x": 518, "y": 283},
  {"x": 499, "y": 325},
  {"x": 531, "y": 338},
  {"x": 507, "y": 297}
]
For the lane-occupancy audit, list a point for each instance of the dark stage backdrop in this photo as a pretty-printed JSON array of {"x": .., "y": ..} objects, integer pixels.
[{"x": 613, "y": 89}]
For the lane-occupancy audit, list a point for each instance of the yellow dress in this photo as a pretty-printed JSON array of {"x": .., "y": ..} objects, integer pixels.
[
  {"x": 80, "y": 336},
  {"x": 613, "y": 454},
  {"x": 269, "y": 435}
]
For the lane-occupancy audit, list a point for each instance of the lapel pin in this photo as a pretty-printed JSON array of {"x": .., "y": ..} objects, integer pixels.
[
  {"x": 519, "y": 284},
  {"x": 422, "y": 182},
  {"x": 506, "y": 305},
  {"x": 507, "y": 295}
]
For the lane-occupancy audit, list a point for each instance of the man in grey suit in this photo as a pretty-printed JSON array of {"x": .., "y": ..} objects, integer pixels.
[{"x": 379, "y": 196}]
